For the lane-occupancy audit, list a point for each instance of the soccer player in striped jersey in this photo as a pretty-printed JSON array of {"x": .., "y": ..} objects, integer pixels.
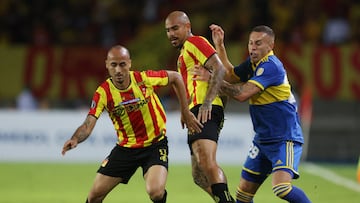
[
  {"x": 139, "y": 120},
  {"x": 203, "y": 101},
  {"x": 277, "y": 145}
]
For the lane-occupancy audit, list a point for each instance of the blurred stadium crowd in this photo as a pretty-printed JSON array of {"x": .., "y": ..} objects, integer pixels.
[{"x": 104, "y": 23}]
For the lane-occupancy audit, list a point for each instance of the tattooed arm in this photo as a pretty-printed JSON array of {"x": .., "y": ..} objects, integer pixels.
[
  {"x": 214, "y": 65},
  {"x": 81, "y": 134},
  {"x": 239, "y": 91}
]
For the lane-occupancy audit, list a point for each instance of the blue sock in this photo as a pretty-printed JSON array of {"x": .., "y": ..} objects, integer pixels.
[{"x": 296, "y": 195}]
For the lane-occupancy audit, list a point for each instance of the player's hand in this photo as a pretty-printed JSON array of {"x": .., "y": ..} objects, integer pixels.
[
  {"x": 200, "y": 73},
  {"x": 70, "y": 144},
  {"x": 217, "y": 34},
  {"x": 189, "y": 120},
  {"x": 204, "y": 112}
]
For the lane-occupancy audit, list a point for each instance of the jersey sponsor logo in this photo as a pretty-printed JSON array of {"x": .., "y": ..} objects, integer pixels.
[
  {"x": 130, "y": 106},
  {"x": 130, "y": 101}
]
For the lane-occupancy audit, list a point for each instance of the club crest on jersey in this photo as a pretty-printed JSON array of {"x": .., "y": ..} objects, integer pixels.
[
  {"x": 103, "y": 164},
  {"x": 128, "y": 96},
  {"x": 259, "y": 71},
  {"x": 143, "y": 90},
  {"x": 142, "y": 87}
]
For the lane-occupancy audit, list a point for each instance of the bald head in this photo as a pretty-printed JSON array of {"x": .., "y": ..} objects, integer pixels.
[
  {"x": 178, "y": 16},
  {"x": 178, "y": 28},
  {"x": 118, "y": 64},
  {"x": 118, "y": 51}
]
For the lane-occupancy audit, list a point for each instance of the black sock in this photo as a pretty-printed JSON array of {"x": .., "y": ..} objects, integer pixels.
[
  {"x": 163, "y": 200},
  {"x": 221, "y": 193}
]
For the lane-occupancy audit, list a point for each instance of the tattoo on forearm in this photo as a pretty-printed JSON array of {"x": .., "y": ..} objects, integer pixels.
[
  {"x": 231, "y": 89},
  {"x": 82, "y": 133},
  {"x": 215, "y": 81}
]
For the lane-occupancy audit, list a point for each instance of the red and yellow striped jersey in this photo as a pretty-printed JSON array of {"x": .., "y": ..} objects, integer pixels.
[
  {"x": 136, "y": 112},
  {"x": 196, "y": 50}
]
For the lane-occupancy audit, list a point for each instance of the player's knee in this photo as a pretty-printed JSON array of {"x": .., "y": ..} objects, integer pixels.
[
  {"x": 242, "y": 196},
  {"x": 95, "y": 196},
  {"x": 207, "y": 166},
  {"x": 158, "y": 195},
  {"x": 282, "y": 189},
  {"x": 155, "y": 192}
]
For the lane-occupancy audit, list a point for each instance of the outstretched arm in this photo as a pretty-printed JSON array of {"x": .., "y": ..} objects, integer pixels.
[
  {"x": 218, "y": 35},
  {"x": 187, "y": 117},
  {"x": 81, "y": 134},
  {"x": 239, "y": 91}
]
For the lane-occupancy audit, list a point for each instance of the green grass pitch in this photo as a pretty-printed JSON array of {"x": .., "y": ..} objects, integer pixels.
[{"x": 69, "y": 183}]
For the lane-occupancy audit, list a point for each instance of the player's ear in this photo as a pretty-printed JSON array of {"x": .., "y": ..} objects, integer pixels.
[
  {"x": 106, "y": 63},
  {"x": 188, "y": 26},
  {"x": 272, "y": 43},
  {"x": 272, "y": 46}
]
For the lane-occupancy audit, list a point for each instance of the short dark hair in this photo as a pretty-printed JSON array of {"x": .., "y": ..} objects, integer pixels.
[{"x": 264, "y": 29}]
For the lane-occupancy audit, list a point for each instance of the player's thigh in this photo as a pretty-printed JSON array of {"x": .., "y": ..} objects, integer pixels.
[
  {"x": 248, "y": 186},
  {"x": 204, "y": 150},
  {"x": 155, "y": 178},
  {"x": 211, "y": 128},
  {"x": 155, "y": 166},
  {"x": 103, "y": 184}
]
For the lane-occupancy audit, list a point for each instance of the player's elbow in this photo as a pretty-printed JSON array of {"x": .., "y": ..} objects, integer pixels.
[{"x": 174, "y": 77}]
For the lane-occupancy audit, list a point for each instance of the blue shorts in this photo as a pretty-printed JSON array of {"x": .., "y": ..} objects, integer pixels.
[{"x": 265, "y": 158}]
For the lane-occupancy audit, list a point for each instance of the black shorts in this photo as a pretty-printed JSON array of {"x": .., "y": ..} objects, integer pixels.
[
  {"x": 123, "y": 162},
  {"x": 211, "y": 128}
]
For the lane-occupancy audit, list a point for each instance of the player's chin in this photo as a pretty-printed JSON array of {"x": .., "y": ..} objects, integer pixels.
[
  {"x": 254, "y": 58},
  {"x": 175, "y": 43}
]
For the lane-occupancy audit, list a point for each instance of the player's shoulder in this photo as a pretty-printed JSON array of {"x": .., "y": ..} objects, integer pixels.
[
  {"x": 105, "y": 85},
  {"x": 197, "y": 39},
  {"x": 272, "y": 61},
  {"x": 105, "y": 82}
]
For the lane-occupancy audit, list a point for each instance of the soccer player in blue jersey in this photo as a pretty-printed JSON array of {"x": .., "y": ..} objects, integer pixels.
[{"x": 277, "y": 145}]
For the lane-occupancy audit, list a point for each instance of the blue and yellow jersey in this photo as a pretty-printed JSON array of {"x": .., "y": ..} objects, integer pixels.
[
  {"x": 273, "y": 110},
  {"x": 196, "y": 50},
  {"x": 136, "y": 112}
]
